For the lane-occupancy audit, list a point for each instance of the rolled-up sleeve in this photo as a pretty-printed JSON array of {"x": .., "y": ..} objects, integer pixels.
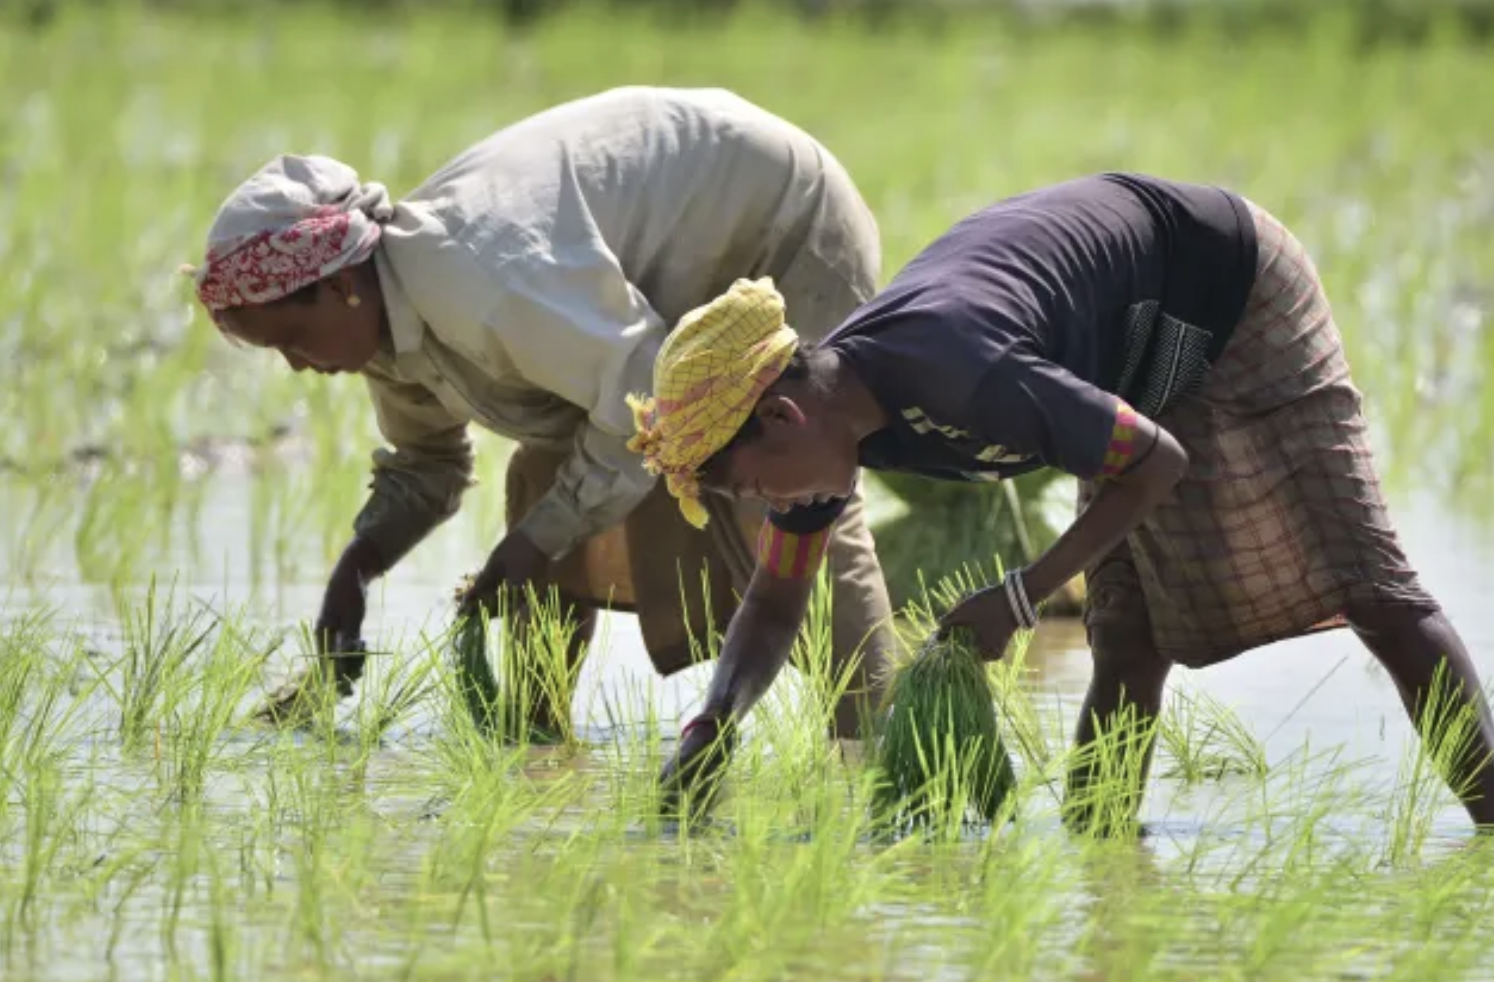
[
  {"x": 584, "y": 344},
  {"x": 418, "y": 480},
  {"x": 597, "y": 486},
  {"x": 1028, "y": 404}
]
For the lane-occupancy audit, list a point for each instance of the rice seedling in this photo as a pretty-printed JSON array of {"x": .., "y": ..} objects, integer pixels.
[
  {"x": 1107, "y": 776},
  {"x": 224, "y": 945},
  {"x": 532, "y": 703},
  {"x": 423, "y": 830},
  {"x": 42, "y": 712},
  {"x": 1444, "y": 756},
  {"x": 388, "y": 696},
  {"x": 1206, "y": 740},
  {"x": 197, "y": 722},
  {"x": 22, "y": 659},
  {"x": 160, "y": 648},
  {"x": 941, "y": 750},
  {"x": 825, "y": 686},
  {"x": 37, "y": 743}
]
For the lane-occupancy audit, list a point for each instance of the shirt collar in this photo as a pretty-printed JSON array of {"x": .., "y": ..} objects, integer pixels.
[{"x": 406, "y": 329}]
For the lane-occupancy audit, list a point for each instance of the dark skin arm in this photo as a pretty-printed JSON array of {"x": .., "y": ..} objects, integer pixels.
[
  {"x": 1117, "y": 508},
  {"x": 339, "y": 625},
  {"x": 1119, "y": 505},
  {"x": 761, "y": 635},
  {"x": 757, "y": 646},
  {"x": 338, "y": 632},
  {"x": 344, "y": 602}
]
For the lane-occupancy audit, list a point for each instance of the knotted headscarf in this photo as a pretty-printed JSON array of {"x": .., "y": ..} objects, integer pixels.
[
  {"x": 297, "y": 220},
  {"x": 708, "y": 377}
]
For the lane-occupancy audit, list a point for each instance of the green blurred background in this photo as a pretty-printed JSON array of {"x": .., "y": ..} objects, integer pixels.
[{"x": 128, "y": 422}]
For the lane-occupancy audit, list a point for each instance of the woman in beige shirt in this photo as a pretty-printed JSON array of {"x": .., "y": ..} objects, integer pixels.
[{"x": 526, "y": 287}]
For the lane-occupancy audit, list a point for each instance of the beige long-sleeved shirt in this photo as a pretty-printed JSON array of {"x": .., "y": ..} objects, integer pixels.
[{"x": 530, "y": 282}]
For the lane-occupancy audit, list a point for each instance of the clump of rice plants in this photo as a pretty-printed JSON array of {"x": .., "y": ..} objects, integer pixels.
[
  {"x": 475, "y": 682},
  {"x": 161, "y": 647},
  {"x": 529, "y": 699},
  {"x": 941, "y": 755},
  {"x": 1445, "y": 759},
  {"x": 1207, "y": 741}
]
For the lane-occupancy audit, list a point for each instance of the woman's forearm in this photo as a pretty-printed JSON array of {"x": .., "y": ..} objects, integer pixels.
[
  {"x": 757, "y": 645},
  {"x": 1117, "y": 508}
]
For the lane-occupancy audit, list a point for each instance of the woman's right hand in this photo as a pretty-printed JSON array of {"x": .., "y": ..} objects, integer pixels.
[
  {"x": 339, "y": 647},
  {"x": 344, "y": 605},
  {"x": 339, "y": 627},
  {"x": 692, "y": 778}
]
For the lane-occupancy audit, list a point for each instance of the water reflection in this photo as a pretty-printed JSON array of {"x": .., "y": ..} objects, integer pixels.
[{"x": 1323, "y": 691}]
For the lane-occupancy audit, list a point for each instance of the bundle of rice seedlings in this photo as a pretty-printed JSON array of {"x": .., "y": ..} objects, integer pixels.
[
  {"x": 475, "y": 681},
  {"x": 940, "y": 756},
  {"x": 535, "y": 671}
]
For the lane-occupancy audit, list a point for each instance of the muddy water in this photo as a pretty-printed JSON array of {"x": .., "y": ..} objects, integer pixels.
[{"x": 1324, "y": 691}]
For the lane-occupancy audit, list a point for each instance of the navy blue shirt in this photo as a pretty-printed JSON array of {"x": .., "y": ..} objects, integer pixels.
[{"x": 1025, "y": 335}]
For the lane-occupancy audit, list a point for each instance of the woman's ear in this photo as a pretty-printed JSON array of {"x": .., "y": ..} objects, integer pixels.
[
  {"x": 780, "y": 410},
  {"x": 344, "y": 285}
]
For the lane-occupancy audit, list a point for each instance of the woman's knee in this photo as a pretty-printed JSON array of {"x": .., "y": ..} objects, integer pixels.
[
  {"x": 1118, "y": 624},
  {"x": 1119, "y": 629},
  {"x": 1125, "y": 654}
]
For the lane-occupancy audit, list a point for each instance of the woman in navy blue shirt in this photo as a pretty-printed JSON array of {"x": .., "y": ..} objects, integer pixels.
[{"x": 1171, "y": 346}]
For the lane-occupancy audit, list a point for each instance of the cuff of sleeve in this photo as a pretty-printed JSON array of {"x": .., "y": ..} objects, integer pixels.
[
  {"x": 391, "y": 530},
  {"x": 554, "y": 526}
]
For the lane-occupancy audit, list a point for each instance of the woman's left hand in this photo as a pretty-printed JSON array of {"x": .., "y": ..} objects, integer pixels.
[
  {"x": 514, "y": 563},
  {"x": 989, "y": 617}
]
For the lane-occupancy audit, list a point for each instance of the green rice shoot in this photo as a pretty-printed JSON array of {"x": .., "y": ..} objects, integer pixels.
[
  {"x": 528, "y": 701},
  {"x": 146, "y": 833},
  {"x": 941, "y": 757}
]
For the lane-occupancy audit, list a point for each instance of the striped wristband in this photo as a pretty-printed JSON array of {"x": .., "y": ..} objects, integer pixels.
[{"x": 1016, "y": 598}]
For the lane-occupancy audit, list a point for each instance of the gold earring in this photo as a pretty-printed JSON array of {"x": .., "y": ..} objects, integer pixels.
[{"x": 353, "y": 300}]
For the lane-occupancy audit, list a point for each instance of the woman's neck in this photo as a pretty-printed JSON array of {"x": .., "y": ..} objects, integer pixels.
[
  {"x": 373, "y": 285},
  {"x": 849, "y": 399}
]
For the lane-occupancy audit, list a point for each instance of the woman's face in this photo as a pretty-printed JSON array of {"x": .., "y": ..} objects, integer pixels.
[
  {"x": 797, "y": 460},
  {"x": 328, "y": 333}
]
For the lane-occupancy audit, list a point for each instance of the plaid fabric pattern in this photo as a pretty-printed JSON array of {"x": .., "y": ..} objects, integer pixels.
[{"x": 1280, "y": 525}]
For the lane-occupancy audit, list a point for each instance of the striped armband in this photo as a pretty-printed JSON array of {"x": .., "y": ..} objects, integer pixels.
[
  {"x": 1122, "y": 441},
  {"x": 787, "y": 556}
]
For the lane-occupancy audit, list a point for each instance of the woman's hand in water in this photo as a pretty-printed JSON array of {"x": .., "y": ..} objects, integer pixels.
[
  {"x": 339, "y": 648},
  {"x": 693, "y": 776}
]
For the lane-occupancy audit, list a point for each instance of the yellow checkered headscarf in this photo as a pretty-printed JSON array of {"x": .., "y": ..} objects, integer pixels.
[{"x": 709, "y": 374}]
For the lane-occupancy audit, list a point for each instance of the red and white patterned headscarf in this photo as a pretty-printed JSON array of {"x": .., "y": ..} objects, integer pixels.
[{"x": 296, "y": 221}]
